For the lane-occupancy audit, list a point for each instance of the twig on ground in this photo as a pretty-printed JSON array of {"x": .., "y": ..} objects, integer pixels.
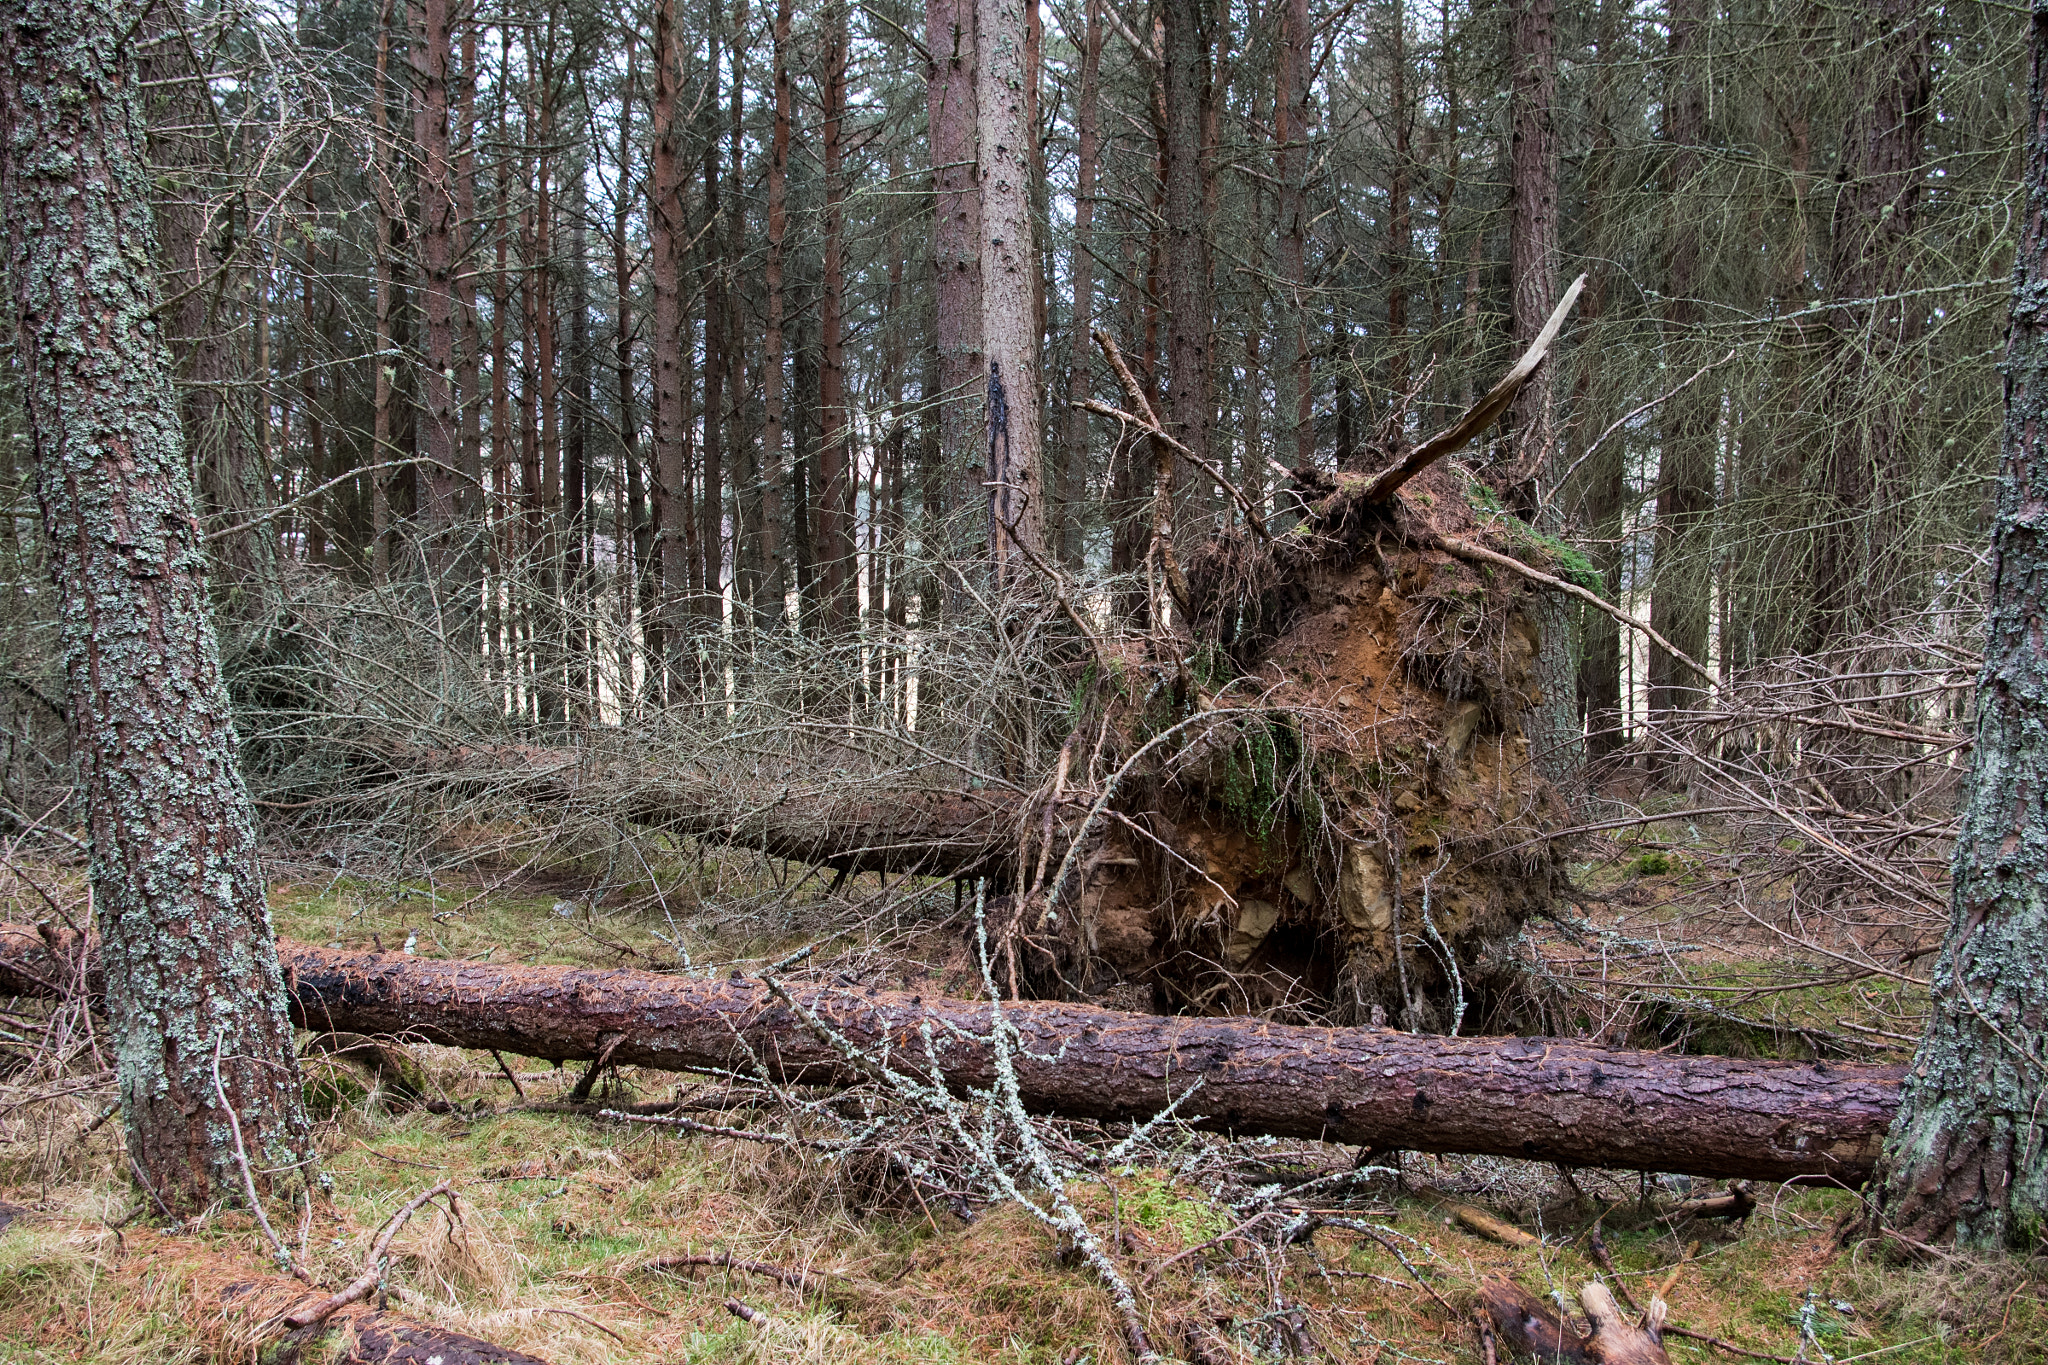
[
  {"x": 373, "y": 1267},
  {"x": 801, "y": 1281}
]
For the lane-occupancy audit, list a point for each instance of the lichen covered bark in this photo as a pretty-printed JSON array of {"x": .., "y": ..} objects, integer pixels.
[
  {"x": 1964, "y": 1157},
  {"x": 192, "y": 971}
]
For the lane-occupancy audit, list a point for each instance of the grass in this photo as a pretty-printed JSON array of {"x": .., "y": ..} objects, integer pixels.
[{"x": 562, "y": 1215}]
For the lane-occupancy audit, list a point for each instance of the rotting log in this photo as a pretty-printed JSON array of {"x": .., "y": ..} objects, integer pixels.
[{"x": 1542, "y": 1099}]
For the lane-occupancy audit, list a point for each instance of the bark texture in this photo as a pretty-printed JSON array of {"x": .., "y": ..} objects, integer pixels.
[
  {"x": 1542, "y": 1099},
  {"x": 1005, "y": 79},
  {"x": 1556, "y": 734},
  {"x": 956, "y": 242},
  {"x": 192, "y": 978},
  {"x": 1685, "y": 474},
  {"x": 1965, "y": 1156}
]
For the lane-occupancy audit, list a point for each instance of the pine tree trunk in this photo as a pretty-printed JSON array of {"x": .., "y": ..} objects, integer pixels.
[
  {"x": 833, "y": 488},
  {"x": 1186, "y": 50},
  {"x": 1009, "y": 290},
  {"x": 956, "y": 246},
  {"x": 435, "y": 251},
  {"x": 468, "y": 568},
  {"x": 1556, "y": 739},
  {"x": 666, "y": 234},
  {"x": 1073, "y": 472},
  {"x": 1856, "y": 573},
  {"x": 1965, "y": 1156},
  {"x": 196, "y": 1000},
  {"x": 1290, "y": 133},
  {"x": 711, "y": 504},
  {"x": 775, "y": 593},
  {"x": 1685, "y": 474}
]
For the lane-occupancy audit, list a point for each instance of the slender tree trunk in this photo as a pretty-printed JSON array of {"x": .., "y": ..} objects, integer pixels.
[
  {"x": 318, "y": 515},
  {"x": 1864, "y": 452},
  {"x": 1556, "y": 738},
  {"x": 956, "y": 245},
  {"x": 1073, "y": 472},
  {"x": 667, "y": 232},
  {"x": 1290, "y": 133},
  {"x": 747, "y": 566},
  {"x": 1685, "y": 476},
  {"x": 497, "y": 642},
  {"x": 197, "y": 234},
  {"x": 634, "y": 531},
  {"x": 202, "y": 1045},
  {"x": 1965, "y": 1156},
  {"x": 578, "y": 629},
  {"x": 468, "y": 382},
  {"x": 434, "y": 248},
  {"x": 1400, "y": 220},
  {"x": 774, "y": 606},
  {"x": 382, "y": 364},
  {"x": 1187, "y": 46},
  {"x": 833, "y": 491},
  {"x": 711, "y": 497},
  {"x": 1009, "y": 290}
]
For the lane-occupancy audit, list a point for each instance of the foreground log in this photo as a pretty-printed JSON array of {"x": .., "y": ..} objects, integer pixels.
[{"x": 1543, "y": 1099}]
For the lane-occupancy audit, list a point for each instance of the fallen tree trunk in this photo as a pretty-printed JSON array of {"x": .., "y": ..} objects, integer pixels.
[
  {"x": 846, "y": 826},
  {"x": 1543, "y": 1099}
]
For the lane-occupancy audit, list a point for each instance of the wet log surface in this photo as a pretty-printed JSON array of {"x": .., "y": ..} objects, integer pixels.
[{"x": 1542, "y": 1099}]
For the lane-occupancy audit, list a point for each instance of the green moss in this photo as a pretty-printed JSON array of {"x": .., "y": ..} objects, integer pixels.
[{"x": 1155, "y": 1201}]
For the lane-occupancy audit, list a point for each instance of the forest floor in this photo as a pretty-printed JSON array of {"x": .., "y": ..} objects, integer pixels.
[{"x": 565, "y": 1216}]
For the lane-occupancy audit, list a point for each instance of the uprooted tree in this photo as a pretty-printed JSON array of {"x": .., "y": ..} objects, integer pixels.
[{"x": 1300, "y": 784}]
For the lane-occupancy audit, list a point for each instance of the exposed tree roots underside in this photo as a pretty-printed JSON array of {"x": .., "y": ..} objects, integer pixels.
[{"x": 1536, "y": 1098}]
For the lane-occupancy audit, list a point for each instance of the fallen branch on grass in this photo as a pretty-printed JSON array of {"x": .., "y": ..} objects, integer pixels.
[
  {"x": 1532, "y": 1327},
  {"x": 373, "y": 1265},
  {"x": 1543, "y": 1099},
  {"x": 801, "y": 1281}
]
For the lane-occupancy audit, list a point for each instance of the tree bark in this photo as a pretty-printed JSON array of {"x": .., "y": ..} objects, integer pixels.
[
  {"x": 717, "y": 308},
  {"x": 667, "y": 231},
  {"x": 956, "y": 245},
  {"x": 776, "y": 584},
  {"x": 430, "y": 52},
  {"x": 1533, "y": 260},
  {"x": 1187, "y": 46},
  {"x": 382, "y": 370},
  {"x": 1004, "y": 81},
  {"x": 1540, "y": 1099},
  {"x": 1864, "y": 437},
  {"x": 1965, "y": 1157},
  {"x": 196, "y": 1000},
  {"x": 1073, "y": 474},
  {"x": 1290, "y": 135},
  {"x": 833, "y": 487},
  {"x": 1685, "y": 474}
]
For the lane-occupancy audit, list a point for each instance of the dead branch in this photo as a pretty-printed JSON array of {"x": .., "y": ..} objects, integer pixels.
[
  {"x": 1465, "y": 549},
  {"x": 1480, "y": 415}
]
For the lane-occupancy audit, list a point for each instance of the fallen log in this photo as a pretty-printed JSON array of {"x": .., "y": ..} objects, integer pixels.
[{"x": 1543, "y": 1099}]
